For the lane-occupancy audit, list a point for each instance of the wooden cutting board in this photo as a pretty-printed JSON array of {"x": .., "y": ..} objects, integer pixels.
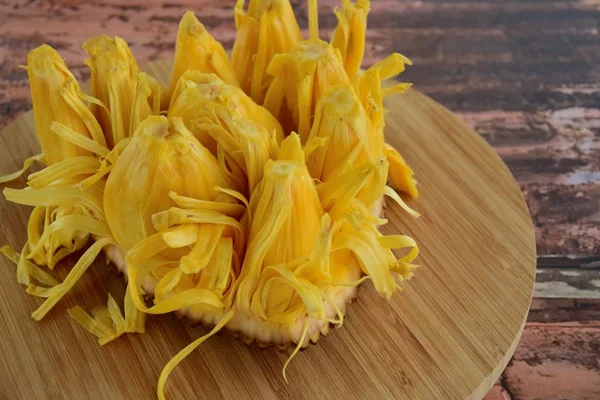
[{"x": 449, "y": 335}]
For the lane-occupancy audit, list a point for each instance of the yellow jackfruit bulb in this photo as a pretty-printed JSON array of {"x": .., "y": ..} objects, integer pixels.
[
  {"x": 201, "y": 97},
  {"x": 52, "y": 231},
  {"x": 341, "y": 137},
  {"x": 300, "y": 79},
  {"x": 370, "y": 90},
  {"x": 161, "y": 157},
  {"x": 267, "y": 28},
  {"x": 58, "y": 105},
  {"x": 196, "y": 49},
  {"x": 350, "y": 33},
  {"x": 285, "y": 220},
  {"x": 292, "y": 284},
  {"x": 194, "y": 78},
  {"x": 64, "y": 216},
  {"x": 108, "y": 322},
  {"x": 113, "y": 69}
]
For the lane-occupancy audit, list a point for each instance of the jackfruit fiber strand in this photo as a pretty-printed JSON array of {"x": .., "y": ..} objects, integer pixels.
[
  {"x": 196, "y": 49},
  {"x": 200, "y": 99},
  {"x": 267, "y": 28},
  {"x": 341, "y": 136},
  {"x": 400, "y": 175},
  {"x": 125, "y": 94},
  {"x": 107, "y": 322},
  {"x": 26, "y": 164},
  {"x": 350, "y": 34}
]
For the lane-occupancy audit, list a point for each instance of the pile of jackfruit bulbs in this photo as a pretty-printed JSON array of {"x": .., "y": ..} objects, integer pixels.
[{"x": 245, "y": 194}]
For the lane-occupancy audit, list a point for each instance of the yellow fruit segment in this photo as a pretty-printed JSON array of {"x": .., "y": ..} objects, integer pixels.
[
  {"x": 350, "y": 33},
  {"x": 56, "y": 97},
  {"x": 285, "y": 221},
  {"x": 162, "y": 157},
  {"x": 113, "y": 69},
  {"x": 265, "y": 29},
  {"x": 341, "y": 136},
  {"x": 204, "y": 100},
  {"x": 196, "y": 49},
  {"x": 300, "y": 78}
]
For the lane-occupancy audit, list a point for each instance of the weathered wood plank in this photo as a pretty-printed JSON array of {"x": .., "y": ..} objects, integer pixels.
[
  {"x": 582, "y": 311},
  {"x": 498, "y": 393},
  {"x": 556, "y": 361},
  {"x": 568, "y": 262},
  {"x": 557, "y": 357},
  {"x": 567, "y": 283}
]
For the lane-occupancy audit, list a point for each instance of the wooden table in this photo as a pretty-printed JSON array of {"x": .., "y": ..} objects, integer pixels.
[{"x": 523, "y": 73}]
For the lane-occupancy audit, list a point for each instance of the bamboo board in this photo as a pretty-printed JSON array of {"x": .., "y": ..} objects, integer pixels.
[{"x": 449, "y": 335}]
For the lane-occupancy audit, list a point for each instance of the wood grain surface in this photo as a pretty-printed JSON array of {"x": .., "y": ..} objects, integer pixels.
[
  {"x": 524, "y": 74},
  {"x": 440, "y": 338}
]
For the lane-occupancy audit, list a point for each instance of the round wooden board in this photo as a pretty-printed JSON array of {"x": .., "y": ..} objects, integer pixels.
[{"x": 449, "y": 335}]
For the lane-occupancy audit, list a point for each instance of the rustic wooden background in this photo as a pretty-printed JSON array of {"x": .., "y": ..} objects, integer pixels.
[{"x": 523, "y": 73}]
